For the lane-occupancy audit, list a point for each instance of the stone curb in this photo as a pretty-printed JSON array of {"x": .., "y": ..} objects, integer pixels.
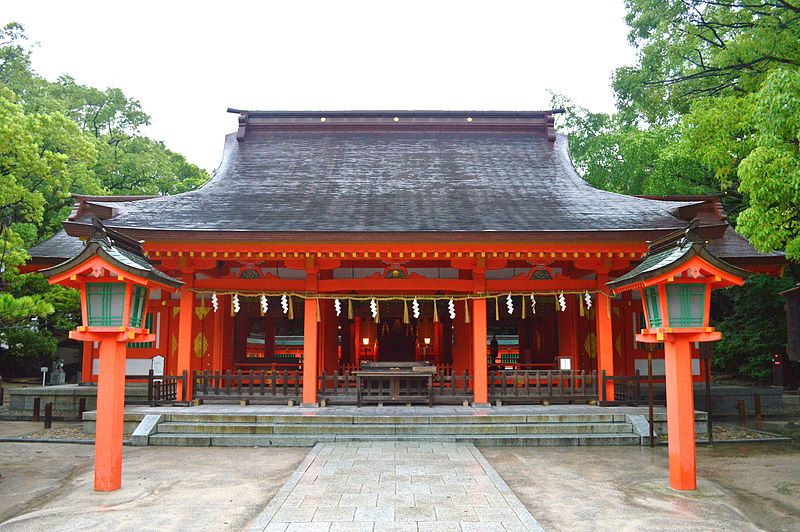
[
  {"x": 53, "y": 440},
  {"x": 146, "y": 428},
  {"x": 522, "y": 513},
  {"x": 260, "y": 523}
]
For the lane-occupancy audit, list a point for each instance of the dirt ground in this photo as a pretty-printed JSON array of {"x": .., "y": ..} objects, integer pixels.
[
  {"x": 740, "y": 487},
  {"x": 49, "y": 487}
]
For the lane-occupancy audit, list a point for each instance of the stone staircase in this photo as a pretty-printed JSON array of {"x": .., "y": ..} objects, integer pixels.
[{"x": 232, "y": 430}]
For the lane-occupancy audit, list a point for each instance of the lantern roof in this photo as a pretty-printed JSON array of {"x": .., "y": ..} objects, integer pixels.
[
  {"x": 670, "y": 255},
  {"x": 118, "y": 251}
]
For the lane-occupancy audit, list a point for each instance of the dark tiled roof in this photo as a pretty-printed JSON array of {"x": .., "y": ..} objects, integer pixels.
[
  {"x": 119, "y": 251},
  {"x": 669, "y": 253},
  {"x": 734, "y": 246},
  {"x": 59, "y": 246},
  {"x": 420, "y": 181}
]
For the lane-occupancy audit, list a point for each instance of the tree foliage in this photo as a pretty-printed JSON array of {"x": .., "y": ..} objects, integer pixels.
[
  {"x": 59, "y": 138},
  {"x": 711, "y": 105}
]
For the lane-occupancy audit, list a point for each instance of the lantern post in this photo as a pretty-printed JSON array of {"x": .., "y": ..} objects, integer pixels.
[
  {"x": 676, "y": 279},
  {"x": 114, "y": 278}
]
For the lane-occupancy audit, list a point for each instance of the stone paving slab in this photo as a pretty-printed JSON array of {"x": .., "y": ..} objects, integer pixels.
[{"x": 395, "y": 486}]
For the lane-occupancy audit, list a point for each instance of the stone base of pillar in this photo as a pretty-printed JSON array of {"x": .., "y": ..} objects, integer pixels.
[
  {"x": 309, "y": 405},
  {"x": 481, "y": 405}
]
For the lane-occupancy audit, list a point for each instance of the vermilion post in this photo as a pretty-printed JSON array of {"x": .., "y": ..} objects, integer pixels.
[
  {"x": 680, "y": 415},
  {"x": 605, "y": 341},
  {"x": 310, "y": 352},
  {"x": 185, "y": 340},
  {"x": 110, "y": 413},
  {"x": 87, "y": 362},
  {"x": 480, "y": 384}
]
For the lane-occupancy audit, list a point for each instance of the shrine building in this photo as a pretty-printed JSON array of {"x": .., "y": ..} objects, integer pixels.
[{"x": 464, "y": 241}]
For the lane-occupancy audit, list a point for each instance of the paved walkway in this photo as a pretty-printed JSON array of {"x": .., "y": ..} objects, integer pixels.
[{"x": 386, "y": 486}]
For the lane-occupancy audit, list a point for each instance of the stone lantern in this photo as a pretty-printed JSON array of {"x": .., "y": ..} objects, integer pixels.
[
  {"x": 114, "y": 278},
  {"x": 676, "y": 279}
]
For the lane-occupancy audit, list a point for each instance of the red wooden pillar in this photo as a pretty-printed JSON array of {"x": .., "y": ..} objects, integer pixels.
[
  {"x": 310, "y": 353},
  {"x": 228, "y": 333},
  {"x": 110, "y": 415},
  {"x": 185, "y": 336},
  {"x": 87, "y": 362},
  {"x": 480, "y": 384},
  {"x": 605, "y": 335},
  {"x": 680, "y": 414}
]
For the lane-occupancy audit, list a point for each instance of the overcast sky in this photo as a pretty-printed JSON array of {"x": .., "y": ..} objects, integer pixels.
[{"x": 187, "y": 64}]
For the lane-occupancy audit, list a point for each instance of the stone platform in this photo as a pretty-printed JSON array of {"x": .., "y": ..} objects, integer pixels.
[
  {"x": 269, "y": 425},
  {"x": 395, "y": 486}
]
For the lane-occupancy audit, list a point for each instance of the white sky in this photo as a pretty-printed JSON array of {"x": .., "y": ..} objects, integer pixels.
[{"x": 188, "y": 62}]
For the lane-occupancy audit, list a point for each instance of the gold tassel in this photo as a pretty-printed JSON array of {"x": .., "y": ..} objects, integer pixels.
[
  {"x": 349, "y": 309},
  {"x": 232, "y": 312},
  {"x": 497, "y": 309},
  {"x": 377, "y": 312},
  {"x": 608, "y": 306},
  {"x": 580, "y": 305},
  {"x": 406, "y": 320},
  {"x": 523, "y": 307},
  {"x": 319, "y": 317},
  {"x": 291, "y": 309},
  {"x": 466, "y": 311},
  {"x": 555, "y": 299},
  {"x": 435, "y": 313}
]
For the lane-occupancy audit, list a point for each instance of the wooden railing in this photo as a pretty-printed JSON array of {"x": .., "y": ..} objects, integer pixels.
[
  {"x": 627, "y": 389},
  {"x": 508, "y": 386},
  {"x": 160, "y": 388},
  {"x": 534, "y": 386},
  {"x": 280, "y": 385}
]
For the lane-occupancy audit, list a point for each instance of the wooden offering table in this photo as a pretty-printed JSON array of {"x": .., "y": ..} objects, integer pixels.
[{"x": 395, "y": 382}]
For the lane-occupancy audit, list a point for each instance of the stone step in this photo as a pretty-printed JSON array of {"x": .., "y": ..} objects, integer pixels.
[
  {"x": 314, "y": 417},
  {"x": 387, "y": 429},
  {"x": 309, "y": 440}
]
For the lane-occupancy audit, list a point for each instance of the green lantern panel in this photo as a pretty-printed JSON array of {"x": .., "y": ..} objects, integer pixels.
[
  {"x": 105, "y": 303},
  {"x": 138, "y": 305},
  {"x": 686, "y": 305},
  {"x": 651, "y": 303}
]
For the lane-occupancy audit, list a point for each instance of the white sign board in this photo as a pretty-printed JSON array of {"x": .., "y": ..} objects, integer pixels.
[{"x": 158, "y": 365}]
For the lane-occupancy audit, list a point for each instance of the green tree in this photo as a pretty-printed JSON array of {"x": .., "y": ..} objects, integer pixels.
[
  {"x": 712, "y": 104},
  {"x": 57, "y": 139}
]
